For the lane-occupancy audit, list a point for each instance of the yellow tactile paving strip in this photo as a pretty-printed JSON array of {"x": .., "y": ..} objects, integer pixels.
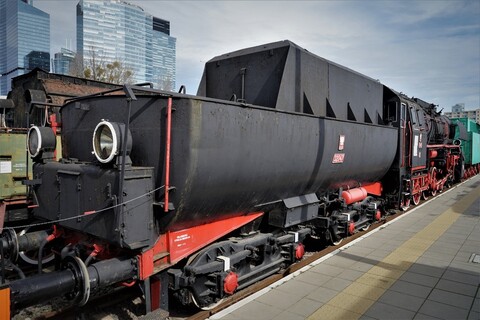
[{"x": 358, "y": 297}]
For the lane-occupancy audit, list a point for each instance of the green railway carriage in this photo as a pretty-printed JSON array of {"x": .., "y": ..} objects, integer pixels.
[{"x": 470, "y": 146}]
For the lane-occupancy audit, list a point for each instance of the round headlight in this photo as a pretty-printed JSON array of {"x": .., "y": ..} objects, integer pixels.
[
  {"x": 105, "y": 141},
  {"x": 40, "y": 139}
]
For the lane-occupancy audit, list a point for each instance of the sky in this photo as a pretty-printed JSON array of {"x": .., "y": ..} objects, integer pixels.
[{"x": 428, "y": 49}]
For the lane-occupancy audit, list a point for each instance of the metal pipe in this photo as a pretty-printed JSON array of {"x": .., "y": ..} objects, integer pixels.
[
  {"x": 167, "y": 152},
  {"x": 43, "y": 287},
  {"x": 31, "y": 240}
]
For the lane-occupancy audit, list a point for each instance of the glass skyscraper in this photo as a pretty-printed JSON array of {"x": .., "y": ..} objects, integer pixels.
[
  {"x": 115, "y": 30},
  {"x": 63, "y": 61},
  {"x": 24, "y": 40}
]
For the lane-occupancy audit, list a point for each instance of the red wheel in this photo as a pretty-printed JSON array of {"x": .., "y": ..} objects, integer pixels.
[{"x": 416, "y": 198}]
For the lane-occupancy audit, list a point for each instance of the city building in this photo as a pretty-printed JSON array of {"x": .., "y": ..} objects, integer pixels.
[
  {"x": 63, "y": 61},
  {"x": 115, "y": 30},
  {"x": 458, "y": 111},
  {"x": 24, "y": 40}
]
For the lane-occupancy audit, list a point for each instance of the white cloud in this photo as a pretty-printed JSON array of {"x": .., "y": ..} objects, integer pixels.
[{"x": 428, "y": 49}]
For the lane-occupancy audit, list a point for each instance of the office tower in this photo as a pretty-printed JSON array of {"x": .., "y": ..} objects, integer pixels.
[
  {"x": 115, "y": 30},
  {"x": 63, "y": 61},
  {"x": 24, "y": 40}
]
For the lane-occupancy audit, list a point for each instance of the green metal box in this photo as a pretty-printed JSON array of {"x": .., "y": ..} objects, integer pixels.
[{"x": 13, "y": 164}]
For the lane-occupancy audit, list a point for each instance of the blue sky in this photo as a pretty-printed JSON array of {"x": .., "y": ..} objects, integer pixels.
[{"x": 428, "y": 49}]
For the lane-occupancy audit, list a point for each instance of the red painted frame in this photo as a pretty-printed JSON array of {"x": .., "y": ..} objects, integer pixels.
[{"x": 173, "y": 246}]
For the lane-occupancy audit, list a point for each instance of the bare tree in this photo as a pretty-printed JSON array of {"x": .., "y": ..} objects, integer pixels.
[{"x": 97, "y": 68}]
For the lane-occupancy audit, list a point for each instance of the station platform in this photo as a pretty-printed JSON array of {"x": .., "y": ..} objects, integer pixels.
[{"x": 423, "y": 265}]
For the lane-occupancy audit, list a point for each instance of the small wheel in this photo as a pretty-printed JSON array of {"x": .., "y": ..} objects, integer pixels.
[
  {"x": 416, "y": 198},
  {"x": 425, "y": 195}
]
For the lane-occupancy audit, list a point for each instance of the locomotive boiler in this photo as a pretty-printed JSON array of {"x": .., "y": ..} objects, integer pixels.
[{"x": 204, "y": 195}]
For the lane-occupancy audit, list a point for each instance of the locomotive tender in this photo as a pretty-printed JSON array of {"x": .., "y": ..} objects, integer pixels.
[{"x": 204, "y": 195}]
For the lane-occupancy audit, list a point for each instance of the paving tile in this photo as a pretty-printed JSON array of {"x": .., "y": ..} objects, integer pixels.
[
  {"x": 411, "y": 288},
  {"x": 314, "y": 278},
  {"x": 451, "y": 298},
  {"x": 366, "y": 263},
  {"x": 473, "y": 243},
  {"x": 457, "y": 287},
  {"x": 420, "y": 279},
  {"x": 468, "y": 278},
  {"x": 369, "y": 242},
  {"x": 476, "y": 304},
  {"x": 420, "y": 316},
  {"x": 439, "y": 256},
  {"x": 474, "y": 316},
  {"x": 326, "y": 269},
  {"x": 349, "y": 274},
  {"x": 463, "y": 256},
  {"x": 256, "y": 310},
  {"x": 232, "y": 316},
  {"x": 364, "y": 290},
  {"x": 427, "y": 270},
  {"x": 386, "y": 270},
  {"x": 466, "y": 267},
  {"x": 384, "y": 311},
  {"x": 286, "y": 315},
  {"x": 359, "y": 251},
  {"x": 341, "y": 262},
  {"x": 460, "y": 238},
  {"x": 305, "y": 307},
  {"x": 432, "y": 262},
  {"x": 443, "y": 311},
  {"x": 401, "y": 300},
  {"x": 332, "y": 312},
  {"x": 351, "y": 303},
  {"x": 364, "y": 317},
  {"x": 337, "y": 284},
  {"x": 440, "y": 249},
  {"x": 375, "y": 280},
  {"x": 297, "y": 288},
  {"x": 278, "y": 299},
  {"x": 322, "y": 294},
  {"x": 446, "y": 244},
  {"x": 378, "y": 254}
]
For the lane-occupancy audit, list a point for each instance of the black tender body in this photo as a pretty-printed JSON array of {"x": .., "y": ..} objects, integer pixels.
[{"x": 230, "y": 158}]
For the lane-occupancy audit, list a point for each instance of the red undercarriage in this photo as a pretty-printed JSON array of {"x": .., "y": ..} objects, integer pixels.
[
  {"x": 431, "y": 180},
  {"x": 171, "y": 247}
]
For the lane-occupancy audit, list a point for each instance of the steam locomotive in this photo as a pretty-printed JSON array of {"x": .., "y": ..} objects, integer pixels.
[{"x": 204, "y": 195}]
